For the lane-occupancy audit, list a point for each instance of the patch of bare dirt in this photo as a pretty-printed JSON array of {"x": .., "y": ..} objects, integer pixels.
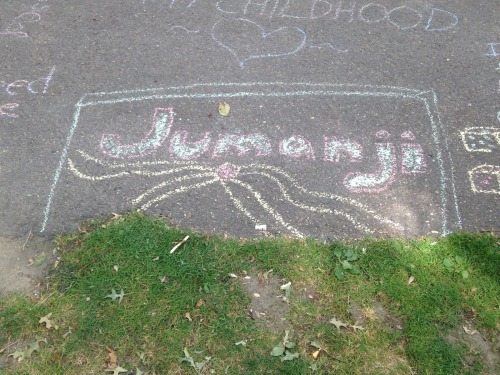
[
  {"x": 24, "y": 263},
  {"x": 467, "y": 334},
  {"x": 267, "y": 307},
  {"x": 378, "y": 313}
]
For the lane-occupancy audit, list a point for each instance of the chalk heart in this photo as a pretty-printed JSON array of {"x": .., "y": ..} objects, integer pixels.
[{"x": 247, "y": 40}]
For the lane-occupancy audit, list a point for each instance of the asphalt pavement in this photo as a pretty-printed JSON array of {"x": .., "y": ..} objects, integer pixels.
[{"x": 345, "y": 118}]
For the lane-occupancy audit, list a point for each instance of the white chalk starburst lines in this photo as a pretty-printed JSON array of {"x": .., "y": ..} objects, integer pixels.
[{"x": 184, "y": 176}]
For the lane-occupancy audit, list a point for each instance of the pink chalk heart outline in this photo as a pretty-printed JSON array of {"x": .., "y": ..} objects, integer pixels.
[{"x": 264, "y": 36}]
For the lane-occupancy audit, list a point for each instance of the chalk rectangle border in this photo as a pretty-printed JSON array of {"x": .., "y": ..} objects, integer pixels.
[{"x": 283, "y": 89}]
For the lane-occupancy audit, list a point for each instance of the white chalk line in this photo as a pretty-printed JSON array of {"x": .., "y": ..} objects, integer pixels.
[
  {"x": 177, "y": 191},
  {"x": 212, "y": 173},
  {"x": 331, "y": 46},
  {"x": 350, "y": 201},
  {"x": 60, "y": 167},
  {"x": 253, "y": 84},
  {"x": 264, "y": 35},
  {"x": 139, "y": 172},
  {"x": 247, "y": 94},
  {"x": 237, "y": 203},
  {"x": 439, "y": 156},
  {"x": 76, "y": 172},
  {"x": 268, "y": 208},
  {"x": 170, "y": 182},
  {"x": 139, "y": 163},
  {"x": 183, "y": 28},
  {"x": 444, "y": 134},
  {"x": 320, "y": 209}
]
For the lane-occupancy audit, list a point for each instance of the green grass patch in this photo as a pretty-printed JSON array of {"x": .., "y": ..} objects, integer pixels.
[{"x": 188, "y": 302}]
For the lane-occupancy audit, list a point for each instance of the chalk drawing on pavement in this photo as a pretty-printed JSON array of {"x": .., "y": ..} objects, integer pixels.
[
  {"x": 163, "y": 119},
  {"x": 199, "y": 175},
  {"x": 7, "y": 110},
  {"x": 485, "y": 179},
  {"x": 266, "y": 44},
  {"x": 16, "y": 27},
  {"x": 402, "y": 17},
  {"x": 492, "y": 49},
  {"x": 330, "y": 46},
  {"x": 481, "y": 139},
  {"x": 183, "y": 29},
  {"x": 185, "y": 162},
  {"x": 37, "y": 86}
]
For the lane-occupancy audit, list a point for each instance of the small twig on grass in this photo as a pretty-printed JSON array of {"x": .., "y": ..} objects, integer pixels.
[
  {"x": 9, "y": 345},
  {"x": 328, "y": 354},
  {"x": 332, "y": 356},
  {"x": 63, "y": 293},
  {"x": 45, "y": 299},
  {"x": 179, "y": 244}
]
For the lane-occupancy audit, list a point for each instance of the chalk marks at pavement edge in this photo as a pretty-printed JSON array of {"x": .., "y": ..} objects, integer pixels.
[
  {"x": 196, "y": 175},
  {"x": 449, "y": 209}
]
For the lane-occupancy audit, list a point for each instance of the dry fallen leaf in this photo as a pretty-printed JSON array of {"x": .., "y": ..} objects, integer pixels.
[
  {"x": 116, "y": 370},
  {"x": 114, "y": 296},
  {"x": 18, "y": 354},
  {"x": 35, "y": 346},
  {"x": 48, "y": 323},
  {"x": 411, "y": 279},
  {"x": 470, "y": 331},
  {"x": 224, "y": 109},
  {"x": 164, "y": 279},
  {"x": 316, "y": 354},
  {"x": 199, "y": 303},
  {"x": 115, "y": 216},
  {"x": 112, "y": 358},
  {"x": 357, "y": 328},
  {"x": 338, "y": 323},
  {"x": 188, "y": 317},
  {"x": 260, "y": 277}
]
